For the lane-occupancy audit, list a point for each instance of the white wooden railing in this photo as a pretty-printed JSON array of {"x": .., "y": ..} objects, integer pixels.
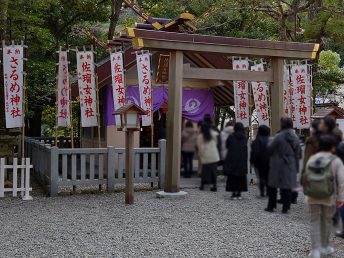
[{"x": 23, "y": 170}]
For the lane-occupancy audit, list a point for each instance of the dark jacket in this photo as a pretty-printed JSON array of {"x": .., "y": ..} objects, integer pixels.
[
  {"x": 259, "y": 153},
  {"x": 285, "y": 153},
  {"x": 236, "y": 159}
]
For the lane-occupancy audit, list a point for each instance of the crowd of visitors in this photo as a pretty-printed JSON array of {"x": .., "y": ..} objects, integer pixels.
[{"x": 276, "y": 161}]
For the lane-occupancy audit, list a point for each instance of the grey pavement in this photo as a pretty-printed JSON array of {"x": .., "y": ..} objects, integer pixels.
[{"x": 205, "y": 224}]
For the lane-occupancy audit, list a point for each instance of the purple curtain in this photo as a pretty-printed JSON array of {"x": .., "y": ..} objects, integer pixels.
[{"x": 195, "y": 103}]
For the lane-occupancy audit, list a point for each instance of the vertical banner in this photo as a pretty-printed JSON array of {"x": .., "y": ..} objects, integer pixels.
[
  {"x": 145, "y": 86},
  {"x": 63, "y": 98},
  {"x": 286, "y": 92},
  {"x": 241, "y": 95},
  {"x": 87, "y": 88},
  {"x": 13, "y": 65},
  {"x": 261, "y": 97},
  {"x": 118, "y": 83},
  {"x": 301, "y": 89}
]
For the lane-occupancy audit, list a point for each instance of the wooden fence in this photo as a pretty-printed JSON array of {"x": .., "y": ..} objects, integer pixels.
[
  {"x": 23, "y": 180},
  {"x": 57, "y": 167}
]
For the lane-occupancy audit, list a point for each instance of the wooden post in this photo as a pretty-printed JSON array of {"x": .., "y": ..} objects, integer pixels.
[
  {"x": 174, "y": 122},
  {"x": 129, "y": 154},
  {"x": 277, "y": 94}
]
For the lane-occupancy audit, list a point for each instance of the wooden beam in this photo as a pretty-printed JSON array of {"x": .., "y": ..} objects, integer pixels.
[
  {"x": 174, "y": 122},
  {"x": 226, "y": 74},
  {"x": 277, "y": 94},
  {"x": 224, "y": 49}
]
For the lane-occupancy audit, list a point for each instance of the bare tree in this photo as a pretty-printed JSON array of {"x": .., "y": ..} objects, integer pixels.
[{"x": 116, "y": 6}]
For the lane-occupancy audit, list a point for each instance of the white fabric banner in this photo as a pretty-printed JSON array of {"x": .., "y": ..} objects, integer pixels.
[
  {"x": 87, "y": 88},
  {"x": 13, "y": 84},
  {"x": 241, "y": 95},
  {"x": 261, "y": 97},
  {"x": 118, "y": 82},
  {"x": 301, "y": 92},
  {"x": 63, "y": 98},
  {"x": 145, "y": 86}
]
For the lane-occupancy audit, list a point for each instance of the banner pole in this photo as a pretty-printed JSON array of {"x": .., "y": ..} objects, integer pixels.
[
  {"x": 70, "y": 105},
  {"x": 97, "y": 93},
  {"x": 24, "y": 102},
  {"x": 56, "y": 93}
]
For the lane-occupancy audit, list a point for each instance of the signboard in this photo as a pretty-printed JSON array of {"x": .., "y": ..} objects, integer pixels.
[
  {"x": 301, "y": 95},
  {"x": 118, "y": 82},
  {"x": 13, "y": 65},
  {"x": 163, "y": 69},
  {"x": 63, "y": 98},
  {"x": 87, "y": 88},
  {"x": 145, "y": 86},
  {"x": 241, "y": 95},
  {"x": 261, "y": 97}
]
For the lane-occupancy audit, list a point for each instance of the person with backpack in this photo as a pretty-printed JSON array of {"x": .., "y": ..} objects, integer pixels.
[
  {"x": 323, "y": 186},
  {"x": 284, "y": 152},
  {"x": 260, "y": 157}
]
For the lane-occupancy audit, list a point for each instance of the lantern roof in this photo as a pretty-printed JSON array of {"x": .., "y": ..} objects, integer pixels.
[{"x": 130, "y": 107}]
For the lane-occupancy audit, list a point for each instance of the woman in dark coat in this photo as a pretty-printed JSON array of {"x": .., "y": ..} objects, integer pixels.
[
  {"x": 236, "y": 162},
  {"x": 284, "y": 165},
  {"x": 260, "y": 157}
]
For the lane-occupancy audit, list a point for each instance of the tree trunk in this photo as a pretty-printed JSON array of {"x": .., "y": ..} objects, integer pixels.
[
  {"x": 3, "y": 21},
  {"x": 35, "y": 123},
  {"x": 115, "y": 12},
  {"x": 3, "y": 18}
]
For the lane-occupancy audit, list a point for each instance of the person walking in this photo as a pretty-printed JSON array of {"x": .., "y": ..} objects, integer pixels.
[
  {"x": 226, "y": 132},
  {"x": 312, "y": 143},
  {"x": 340, "y": 154},
  {"x": 189, "y": 138},
  {"x": 235, "y": 165},
  {"x": 323, "y": 183},
  {"x": 284, "y": 152},
  {"x": 209, "y": 156},
  {"x": 260, "y": 157}
]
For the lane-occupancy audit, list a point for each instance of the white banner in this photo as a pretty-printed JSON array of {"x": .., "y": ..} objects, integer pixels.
[
  {"x": 286, "y": 92},
  {"x": 13, "y": 64},
  {"x": 301, "y": 91},
  {"x": 261, "y": 97},
  {"x": 87, "y": 88},
  {"x": 145, "y": 86},
  {"x": 241, "y": 95},
  {"x": 63, "y": 98},
  {"x": 118, "y": 83}
]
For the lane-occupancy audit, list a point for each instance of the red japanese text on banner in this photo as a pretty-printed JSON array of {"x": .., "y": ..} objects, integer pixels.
[
  {"x": 261, "y": 97},
  {"x": 145, "y": 86},
  {"x": 301, "y": 89},
  {"x": 241, "y": 95},
  {"x": 287, "y": 93},
  {"x": 63, "y": 98},
  {"x": 118, "y": 82},
  {"x": 13, "y": 85},
  {"x": 87, "y": 88}
]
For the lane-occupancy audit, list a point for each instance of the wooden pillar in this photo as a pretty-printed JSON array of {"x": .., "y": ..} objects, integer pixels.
[
  {"x": 277, "y": 94},
  {"x": 129, "y": 172},
  {"x": 174, "y": 122}
]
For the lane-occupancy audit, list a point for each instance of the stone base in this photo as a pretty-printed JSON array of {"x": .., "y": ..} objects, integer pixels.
[{"x": 163, "y": 194}]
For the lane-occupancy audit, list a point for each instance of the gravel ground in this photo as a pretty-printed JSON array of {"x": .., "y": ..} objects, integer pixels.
[{"x": 205, "y": 224}]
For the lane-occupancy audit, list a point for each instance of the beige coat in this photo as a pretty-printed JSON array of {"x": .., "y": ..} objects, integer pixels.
[
  {"x": 207, "y": 151},
  {"x": 338, "y": 173}
]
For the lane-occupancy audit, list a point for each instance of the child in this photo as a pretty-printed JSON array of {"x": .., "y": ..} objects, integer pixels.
[{"x": 323, "y": 183}]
